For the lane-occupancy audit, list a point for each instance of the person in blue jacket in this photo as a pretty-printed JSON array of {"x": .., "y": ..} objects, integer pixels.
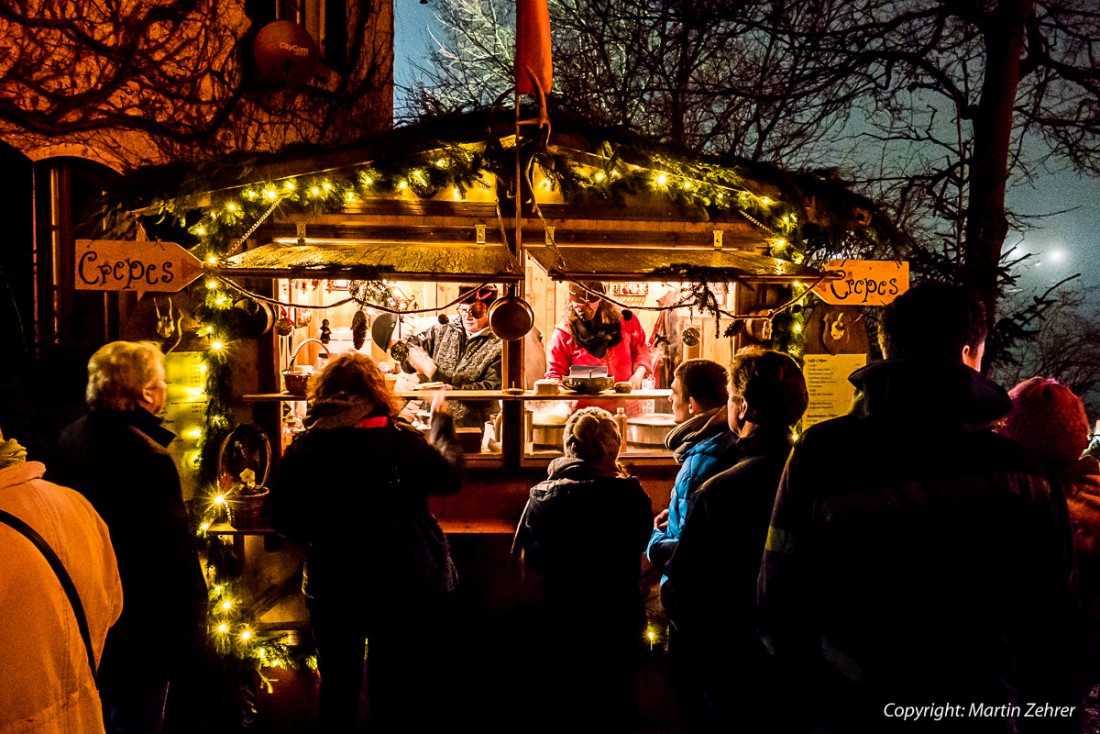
[{"x": 702, "y": 444}]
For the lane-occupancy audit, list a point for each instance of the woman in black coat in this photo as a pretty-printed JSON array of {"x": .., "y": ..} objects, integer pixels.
[
  {"x": 352, "y": 490},
  {"x": 584, "y": 529},
  {"x": 117, "y": 457}
]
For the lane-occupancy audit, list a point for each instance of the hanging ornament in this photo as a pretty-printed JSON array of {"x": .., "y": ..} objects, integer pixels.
[
  {"x": 302, "y": 317},
  {"x": 690, "y": 336},
  {"x": 359, "y": 329},
  {"x": 283, "y": 327}
]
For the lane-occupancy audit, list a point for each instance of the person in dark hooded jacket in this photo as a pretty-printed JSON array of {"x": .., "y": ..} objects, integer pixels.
[
  {"x": 914, "y": 557},
  {"x": 583, "y": 530},
  {"x": 352, "y": 490}
]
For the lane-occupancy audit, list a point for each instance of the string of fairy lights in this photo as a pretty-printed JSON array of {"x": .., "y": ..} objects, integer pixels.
[{"x": 222, "y": 221}]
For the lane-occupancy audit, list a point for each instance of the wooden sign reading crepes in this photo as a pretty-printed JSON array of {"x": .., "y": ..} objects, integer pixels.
[{"x": 129, "y": 265}]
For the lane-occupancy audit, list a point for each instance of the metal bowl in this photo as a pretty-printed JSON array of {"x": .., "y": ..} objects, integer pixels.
[
  {"x": 589, "y": 385},
  {"x": 649, "y": 430},
  {"x": 549, "y": 435}
]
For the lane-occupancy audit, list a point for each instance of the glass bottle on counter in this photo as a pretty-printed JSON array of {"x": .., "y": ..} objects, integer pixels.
[
  {"x": 620, "y": 418},
  {"x": 648, "y": 406}
]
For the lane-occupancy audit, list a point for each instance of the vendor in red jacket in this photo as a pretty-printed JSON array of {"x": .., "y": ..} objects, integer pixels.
[{"x": 595, "y": 332}]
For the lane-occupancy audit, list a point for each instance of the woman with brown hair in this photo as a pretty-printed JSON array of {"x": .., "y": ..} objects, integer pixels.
[{"x": 352, "y": 490}]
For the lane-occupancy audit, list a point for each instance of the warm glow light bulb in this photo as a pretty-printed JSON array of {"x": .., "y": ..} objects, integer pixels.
[
  {"x": 212, "y": 260},
  {"x": 246, "y": 635},
  {"x": 204, "y": 527},
  {"x": 223, "y": 628},
  {"x": 212, "y": 284},
  {"x": 219, "y": 499},
  {"x": 600, "y": 176},
  {"x": 662, "y": 179},
  {"x": 315, "y": 191},
  {"x": 226, "y": 605},
  {"x": 798, "y": 328},
  {"x": 231, "y": 206},
  {"x": 217, "y": 345},
  {"x": 765, "y": 201},
  {"x": 200, "y": 231},
  {"x": 270, "y": 194},
  {"x": 289, "y": 185}
]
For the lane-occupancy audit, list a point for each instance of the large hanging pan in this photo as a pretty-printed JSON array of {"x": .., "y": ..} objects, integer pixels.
[{"x": 511, "y": 317}]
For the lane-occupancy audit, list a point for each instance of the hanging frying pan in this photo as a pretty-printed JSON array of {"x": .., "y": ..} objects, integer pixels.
[
  {"x": 381, "y": 333},
  {"x": 511, "y": 317}
]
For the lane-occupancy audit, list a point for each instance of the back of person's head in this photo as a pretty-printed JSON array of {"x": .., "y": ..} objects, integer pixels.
[
  {"x": 703, "y": 380},
  {"x": 772, "y": 384},
  {"x": 355, "y": 375},
  {"x": 1048, "y": 420},
  {"x": 933, "y": 320},
  {"x": 118, "y": 373},
  {"x": 592, "y": 434}
]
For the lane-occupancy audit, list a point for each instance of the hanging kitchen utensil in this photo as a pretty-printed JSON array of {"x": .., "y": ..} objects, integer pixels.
[
  {"x": 511, "y": 317},
  {"x": 399, "y": 350},
  {"x": 381, "y": 332},
  {"x": 251, "y": 319}
]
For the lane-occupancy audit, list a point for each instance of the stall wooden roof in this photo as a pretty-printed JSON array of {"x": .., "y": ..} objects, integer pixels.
[
  {"x": 646, "y": 263},
  {"x": 376, "y": 260}
]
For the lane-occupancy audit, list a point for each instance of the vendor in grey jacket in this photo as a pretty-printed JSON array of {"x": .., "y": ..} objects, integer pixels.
[{"x": 463, "y": 354}]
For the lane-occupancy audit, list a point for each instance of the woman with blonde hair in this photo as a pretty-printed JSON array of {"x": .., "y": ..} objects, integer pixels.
[
  {"x": 584, "y": 530},
  {"x": 353, "y": 491}
]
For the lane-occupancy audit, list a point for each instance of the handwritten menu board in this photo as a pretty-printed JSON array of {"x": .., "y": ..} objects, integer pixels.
[
  {"x": 827, "y": 382},
  {"x": 185, "y": 374}
]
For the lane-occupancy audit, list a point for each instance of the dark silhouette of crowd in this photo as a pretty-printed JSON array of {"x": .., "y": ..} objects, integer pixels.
[{"x": 929, "y": 561}]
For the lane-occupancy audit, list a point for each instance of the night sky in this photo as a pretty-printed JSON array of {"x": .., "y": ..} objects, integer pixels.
[{"x": 1061, "y": 245}]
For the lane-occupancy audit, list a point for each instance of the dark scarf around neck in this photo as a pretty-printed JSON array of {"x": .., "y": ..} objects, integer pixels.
[{"x": 596, "y": 338}]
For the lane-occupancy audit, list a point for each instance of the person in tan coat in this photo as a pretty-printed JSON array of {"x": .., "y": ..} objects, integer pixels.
[{"x": 46, "y": 682}]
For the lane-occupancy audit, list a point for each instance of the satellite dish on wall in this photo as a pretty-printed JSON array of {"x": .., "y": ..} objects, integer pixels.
[{"x": 285, "y": 54}]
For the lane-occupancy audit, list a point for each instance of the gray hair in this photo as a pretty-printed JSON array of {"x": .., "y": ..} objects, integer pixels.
[
  {"x": 592, "y": 434},
  {"x": 118, "y": 373}
]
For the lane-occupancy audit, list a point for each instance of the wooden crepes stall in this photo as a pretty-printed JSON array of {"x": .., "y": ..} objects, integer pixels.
[{"x": 362, "y": 247}]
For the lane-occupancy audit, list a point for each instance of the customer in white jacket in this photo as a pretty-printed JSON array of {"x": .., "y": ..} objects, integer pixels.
[{"x": 46, "y": 682}]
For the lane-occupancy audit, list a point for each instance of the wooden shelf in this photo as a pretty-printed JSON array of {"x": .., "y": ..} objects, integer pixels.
[
  {"x": 450, "y": 525},
  {"x": 426, "y": 395}
]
